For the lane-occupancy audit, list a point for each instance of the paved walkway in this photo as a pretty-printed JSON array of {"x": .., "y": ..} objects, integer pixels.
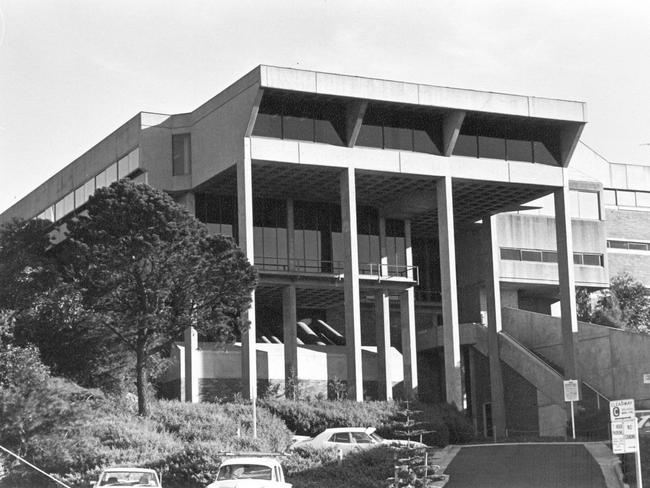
[{"x": 525, "y": 466}]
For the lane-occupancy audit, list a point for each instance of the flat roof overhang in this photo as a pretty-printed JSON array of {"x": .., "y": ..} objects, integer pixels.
[{"x": 419, "y": 94}]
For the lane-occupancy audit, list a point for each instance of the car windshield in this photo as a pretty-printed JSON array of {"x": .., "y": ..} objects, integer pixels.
[
  {"x": 243, "y": 472},
  {"x": 129, "y": 478},
  {"x": 377, "y": 437}
]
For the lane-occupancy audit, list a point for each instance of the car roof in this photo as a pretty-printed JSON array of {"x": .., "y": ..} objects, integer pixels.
[
  {"x": 332, "y": 430},
  {"x": 263, "y": 461},
  {"x": 129, "y": 469}
]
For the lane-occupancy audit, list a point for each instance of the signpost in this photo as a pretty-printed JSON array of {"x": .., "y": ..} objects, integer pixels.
[
  {"x": 625, "y": 432},
  {"x": 572, "y": 394}
]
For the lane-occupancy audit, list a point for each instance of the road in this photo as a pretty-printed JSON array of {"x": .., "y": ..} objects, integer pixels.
[{"x": 525, "y": 466}]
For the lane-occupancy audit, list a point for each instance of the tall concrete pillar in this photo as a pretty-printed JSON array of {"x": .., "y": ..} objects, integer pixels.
[
  {"x": 494, "y": 323},
  {"x": 382, "y": 333},
  {"x": 449, "y": 292},
  {"x": 290, "y": 320},
  {"x": 407, "y": 315},
  {"x": 383, "y": 253},
  {"x": 291, "y": 236},
  {"x": 566, "y": 277},
  {"x": 191, "y": 340},
  {"x": 245, "y": 219},
  {"x": 351, "y": 285}
]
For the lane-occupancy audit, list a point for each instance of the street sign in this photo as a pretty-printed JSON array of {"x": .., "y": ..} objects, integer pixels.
[
  {"x": 571, "y": 392},
  {"x": 646, "y": 378},
  {"x": 621, "y": 409},
  {"x": 624, "y": 438}
]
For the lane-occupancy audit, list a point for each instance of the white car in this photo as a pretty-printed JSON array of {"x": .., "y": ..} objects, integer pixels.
[
  {"x": 350, "y": 438},
  {"x": 137, "y": 477},
  {"x": 250, "y": 472}
]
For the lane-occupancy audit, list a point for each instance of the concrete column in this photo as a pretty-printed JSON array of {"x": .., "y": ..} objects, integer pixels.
[
  {"x": 493, "y": 302},
  {"x": 245, "y": 219},
  {"x": 566, "y": 278},
  {"x": 290, "y": 320},
  {"x": 382, "y": 332},
  {"x": 191, "y": 340},
  {"x": 291, "y": 236},
  {"x": 351, "y": 285},
  {"x": 407, "y": 315},
  {"x": 409, "y": 349},
  {"x": 188, "y": 201},
  {"x": 449, "y": 292},
  {"x": 181, "y": 372},
  {"x": 383, "y": 254}
]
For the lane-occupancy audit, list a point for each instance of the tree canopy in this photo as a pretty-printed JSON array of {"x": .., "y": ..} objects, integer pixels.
[
  {"x": 135, "y": 270},
  {"x": 625, "y": 305}
]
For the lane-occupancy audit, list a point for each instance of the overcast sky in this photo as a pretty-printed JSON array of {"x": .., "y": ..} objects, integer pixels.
[{"x": 71, "y": 72}]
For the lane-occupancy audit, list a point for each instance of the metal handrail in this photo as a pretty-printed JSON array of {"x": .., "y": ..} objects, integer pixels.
[{"x": 381, "y": 271}]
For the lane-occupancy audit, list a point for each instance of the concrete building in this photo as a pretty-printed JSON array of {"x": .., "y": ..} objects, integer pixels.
[{"x": 410, "y": 239}]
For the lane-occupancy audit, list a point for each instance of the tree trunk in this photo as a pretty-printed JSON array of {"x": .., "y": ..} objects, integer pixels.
[{"x": 141, "y": 379}]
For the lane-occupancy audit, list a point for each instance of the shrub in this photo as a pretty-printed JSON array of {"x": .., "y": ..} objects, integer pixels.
[{"x": 311, "y": 418}]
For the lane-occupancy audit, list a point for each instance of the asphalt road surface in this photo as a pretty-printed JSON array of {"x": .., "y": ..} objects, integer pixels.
[{"x": 525, "y": 466}]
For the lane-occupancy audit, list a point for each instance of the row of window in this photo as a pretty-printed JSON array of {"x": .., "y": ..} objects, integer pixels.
[
  {"x": 540, "y": 256},
  {"x": 418, "y": 130},
  {"x": 630, "y": 245},
  {"x": 318, "y": 235},
  {"x": 122, "y": 168},
  {"x": 582, "y": 205},
  {"x": 627, "y": 198}
]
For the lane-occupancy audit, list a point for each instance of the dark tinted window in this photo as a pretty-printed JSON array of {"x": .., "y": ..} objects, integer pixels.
[
  {"x": 181, "y": 154},
  {"x": 592, "y": 259},
  {"x": 511, "y": 254},
  {"x": 531, "y": 255}
]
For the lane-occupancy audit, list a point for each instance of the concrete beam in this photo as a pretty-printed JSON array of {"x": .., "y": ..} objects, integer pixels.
[
  {"x": 566, "y": 271},
  {"x": 356, "y": 109},
  {"x": 351, "y": 285},
  {"x": 449, "y": 293},
  {"x": 493, "y": 299},
  {"x": 382, "y": 333},
  {"x": 245, "y": 219},
  {"x": 569, "y": 137},
  {"x": 451, "y": 125},
  {"x": 254, "y": 112}
]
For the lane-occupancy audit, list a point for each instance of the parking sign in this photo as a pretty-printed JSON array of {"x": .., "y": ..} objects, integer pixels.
[{"x": 621, "y": 409}]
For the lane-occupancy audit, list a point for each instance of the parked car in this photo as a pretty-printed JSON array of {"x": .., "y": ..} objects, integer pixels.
[
  {"x": 250, "y": 472},
  {"x": 350, "y": 438},
  {"x": 121, "y": 476}
]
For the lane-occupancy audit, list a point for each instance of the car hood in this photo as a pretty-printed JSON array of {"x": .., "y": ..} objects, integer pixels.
[{"x": 248, "y": 484}]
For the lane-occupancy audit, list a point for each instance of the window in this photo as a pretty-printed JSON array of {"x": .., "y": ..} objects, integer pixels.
[
  {"x": 340, "y": 438},
  {"x": 361, "y": 438},
  {"x": 631, "y": 245},
  {"x": 626, "y": 198},
  {"x": 609, "y": 197},
  {"x": 539, "y": 256},
  {"x": 181, "y": 154},
  {"x": 584, "y": 205}
]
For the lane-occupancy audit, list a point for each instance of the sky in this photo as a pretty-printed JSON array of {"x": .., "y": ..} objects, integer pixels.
[{"x": 71, "y": 72}]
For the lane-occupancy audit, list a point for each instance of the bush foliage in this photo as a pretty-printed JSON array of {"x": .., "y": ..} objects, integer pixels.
[{"x": 310, "y": 418}]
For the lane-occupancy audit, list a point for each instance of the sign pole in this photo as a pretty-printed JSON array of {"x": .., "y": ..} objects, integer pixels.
[
  {"x": 573, "y": 422},
  {"x": 637, "y": 456}
]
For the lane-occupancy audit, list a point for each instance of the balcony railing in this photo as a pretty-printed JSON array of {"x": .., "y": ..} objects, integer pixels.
[{"x": 300, "y": 265}]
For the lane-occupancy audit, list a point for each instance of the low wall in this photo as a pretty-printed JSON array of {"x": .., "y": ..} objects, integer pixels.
[
  {"x": 612, "y": 360},
  {"x": 218, "y": 369}
]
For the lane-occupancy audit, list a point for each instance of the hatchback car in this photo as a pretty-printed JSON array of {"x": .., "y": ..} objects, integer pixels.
[{"x": 138, "y": 477}]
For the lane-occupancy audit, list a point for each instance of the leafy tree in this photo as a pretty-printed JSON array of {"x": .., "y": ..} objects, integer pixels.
[
  {"x": 146, "y": 269},
  {"x": 625, "y": 305}
]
